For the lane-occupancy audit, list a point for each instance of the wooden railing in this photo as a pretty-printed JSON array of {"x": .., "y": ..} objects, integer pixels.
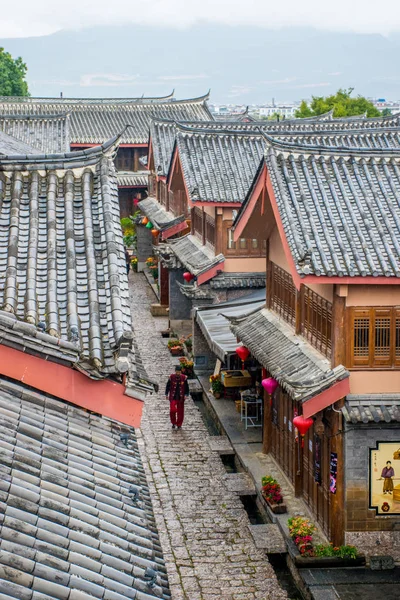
[
  {"x": 316, "y": 320},
  {"x": 197, "y": 217},
  {"x": 283, "y": 294},
  {"x": 314, "y": 313},
  {"x": 210, "y": 231}
]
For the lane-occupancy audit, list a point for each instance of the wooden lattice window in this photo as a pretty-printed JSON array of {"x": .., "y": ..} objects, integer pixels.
[
  {"x": 197, "y": 217},
  {"x": 316, "y": 322},
  {"x": 374, "y": 337},
  {"x": 283, "y": 294},
  {"x": 210, "y": 231}
]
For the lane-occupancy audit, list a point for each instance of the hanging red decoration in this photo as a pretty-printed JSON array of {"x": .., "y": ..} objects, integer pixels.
[
  {"x": 270, "y": 384},
  {"x": 136, "y": 201},
  {"x": 242, "y": 352},
  {"x": 154, "y": 232},
  {"x": 188, "y": 276},
  {"x": 145, "y": 221},
  {"x": 302, "y": 425}
]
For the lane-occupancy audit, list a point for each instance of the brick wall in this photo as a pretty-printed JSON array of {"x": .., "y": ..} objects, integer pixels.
[{"x": 371, "y": 533}]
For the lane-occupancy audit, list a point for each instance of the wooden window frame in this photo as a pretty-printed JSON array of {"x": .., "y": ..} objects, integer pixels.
[
  {"x": 316, "y": 320},
  {"x": 283, "y": 294},
  {"x": 241, "y": 252},
  {"x": 389, "y": 355}
]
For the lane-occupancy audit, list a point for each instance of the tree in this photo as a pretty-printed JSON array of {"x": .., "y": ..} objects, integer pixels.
[
  {"x": 386, "y": 112},
  {"x": 12, "y": 75},
  {"x": 342, "y": 103}
]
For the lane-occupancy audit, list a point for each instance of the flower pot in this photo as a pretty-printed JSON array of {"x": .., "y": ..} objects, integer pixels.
[
  {"x": 217, "y": 394},
  {"x": 277, "y": 509},
  {"x": 176, "y": 351}
]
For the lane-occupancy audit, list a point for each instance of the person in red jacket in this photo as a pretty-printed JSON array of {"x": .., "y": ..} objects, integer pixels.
[{"x": 176, "y": 391}]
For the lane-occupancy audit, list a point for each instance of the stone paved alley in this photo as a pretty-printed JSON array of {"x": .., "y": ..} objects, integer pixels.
[{"x": 204, "y": 530}]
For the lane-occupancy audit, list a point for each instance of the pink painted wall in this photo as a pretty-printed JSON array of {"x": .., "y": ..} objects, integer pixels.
[
  {"x": 244, "y": 265},
  {"x": 373, "y": 295},
  {"x": 375, "y": 382}
]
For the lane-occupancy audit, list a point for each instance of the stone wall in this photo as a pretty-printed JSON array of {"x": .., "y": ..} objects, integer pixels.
[
  {"x": 371, "y": 533},
  {"x": 202, "y": 349},
  {"x": 144, "y": 242}
]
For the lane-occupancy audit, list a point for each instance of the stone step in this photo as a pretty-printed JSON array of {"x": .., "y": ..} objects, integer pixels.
[
  {"x": 240, "y": 483},
  {"x": 221, "y": 445},
  {"x": 268, "y": 538}
]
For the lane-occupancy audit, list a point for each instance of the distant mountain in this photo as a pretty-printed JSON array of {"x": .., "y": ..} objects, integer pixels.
[{"x": 239, "y": 64}]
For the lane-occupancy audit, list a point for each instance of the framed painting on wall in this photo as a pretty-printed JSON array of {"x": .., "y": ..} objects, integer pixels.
[{"x": 384, "y": 478}]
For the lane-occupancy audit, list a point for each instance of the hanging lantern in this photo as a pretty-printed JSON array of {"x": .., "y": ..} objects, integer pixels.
[
  {"x": 188, "y": 276},
  {"x": 270, "y": 384},
  {"x": 136, "y": 201},
  {"x": 242, "y": 353},
  {"x": 145, "y": 221},
  {"x": 302, "y": 425},
  {"x": 149, "y": 225},
  {"x": 154, "y": 232}
]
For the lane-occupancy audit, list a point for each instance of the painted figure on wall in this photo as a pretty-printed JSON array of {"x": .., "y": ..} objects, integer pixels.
[
  {"x": 387, "y": 476},
  {"x": 384, "y": 486}
]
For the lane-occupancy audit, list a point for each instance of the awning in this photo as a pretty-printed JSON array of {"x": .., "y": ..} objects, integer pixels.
[
  {"x": 196, "y": 258},
  {"x": 216, "y": 327},
  {"x": 163, "y": 220},
  {"x": 301, "y": 371}
]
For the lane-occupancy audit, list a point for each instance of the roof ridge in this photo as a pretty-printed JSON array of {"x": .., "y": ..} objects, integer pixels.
[{"x": 277, "y": 144}]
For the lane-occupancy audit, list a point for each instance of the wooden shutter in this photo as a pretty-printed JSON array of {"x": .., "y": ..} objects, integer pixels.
[
  {"x": 361, "y": 337},
  {"x": 396, "y": 337},
  {"x": 382, "y": 337}
]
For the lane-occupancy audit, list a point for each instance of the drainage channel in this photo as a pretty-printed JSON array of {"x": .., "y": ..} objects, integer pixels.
[{"x": 256, "y": 517}]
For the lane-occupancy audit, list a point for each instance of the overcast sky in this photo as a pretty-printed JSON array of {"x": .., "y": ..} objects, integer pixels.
[{"x": 23, "y": 18}]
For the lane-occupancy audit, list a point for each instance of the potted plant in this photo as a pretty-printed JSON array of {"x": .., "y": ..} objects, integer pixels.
[
  {"x": 189, "y": 343},
  {"x": 175, "y": 347},
  {"x": 217, "y": 386},
  {"x": 271, "y": 492},
  {"x": 134, "y": 263},
  {"x": 187, "y": 367}
]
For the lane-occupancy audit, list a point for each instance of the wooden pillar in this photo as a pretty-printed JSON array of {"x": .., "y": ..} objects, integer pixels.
[
  {"x": 219, "y": 242},
  {"x": 164, "y": 284},
  {"x": 267, "y": 424},
  {"x": 268, "y": 283},
  {"x": 299, "y": 308},
  {"x": 339, "y": 334},
  {"x": 203, "y": 227},
  {"x": 136, "y": 159}
]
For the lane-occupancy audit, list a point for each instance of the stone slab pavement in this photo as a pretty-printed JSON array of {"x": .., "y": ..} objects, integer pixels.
[{"x": 204, "y": 531}]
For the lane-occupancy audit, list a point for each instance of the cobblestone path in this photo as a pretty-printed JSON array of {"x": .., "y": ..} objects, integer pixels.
[{"x": 209, "y": 551}]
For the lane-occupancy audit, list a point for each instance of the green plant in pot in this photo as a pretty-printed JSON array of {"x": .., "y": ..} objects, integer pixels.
[{"x": 217, "y": 386}]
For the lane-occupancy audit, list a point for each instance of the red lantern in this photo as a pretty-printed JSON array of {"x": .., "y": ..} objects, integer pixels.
[
  {"x": 154, "y": 232},
  {"x": 303, "y": 425},
  {"x": 270, "y": 384},
  {"x": 242, "y": 353},
  {"x": 136, "y": 201},
  {"x": 145, "y": 221},
  {"x": 188, "y": 276}
]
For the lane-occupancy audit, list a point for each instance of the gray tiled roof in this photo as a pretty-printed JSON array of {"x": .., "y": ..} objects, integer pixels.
[
  {"x": 238, "y": 280},
  {"x": 70, "y": 525},
  {"x": 301, "y": 371},
  {"x": 373, "y": 408},
  {"x": 339, "y": 208},
  {"x": 63, "y": 288},
  {"x": 191, "y": 253},
  {"x": 375, "y": 138},
  {"x": 46, "y": 133},
  {"x": 218, "y": 166},
  {"x": 133, "y": 178},
  {"x": 95, "y": 121},
  {"x": 11, "y": 145},
  {"x": 159, "y": 217}
]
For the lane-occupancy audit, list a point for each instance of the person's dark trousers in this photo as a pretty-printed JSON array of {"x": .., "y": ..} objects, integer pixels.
[
  {"x": 177, "y": 412},
  {"x": 127, "y": 268}
]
